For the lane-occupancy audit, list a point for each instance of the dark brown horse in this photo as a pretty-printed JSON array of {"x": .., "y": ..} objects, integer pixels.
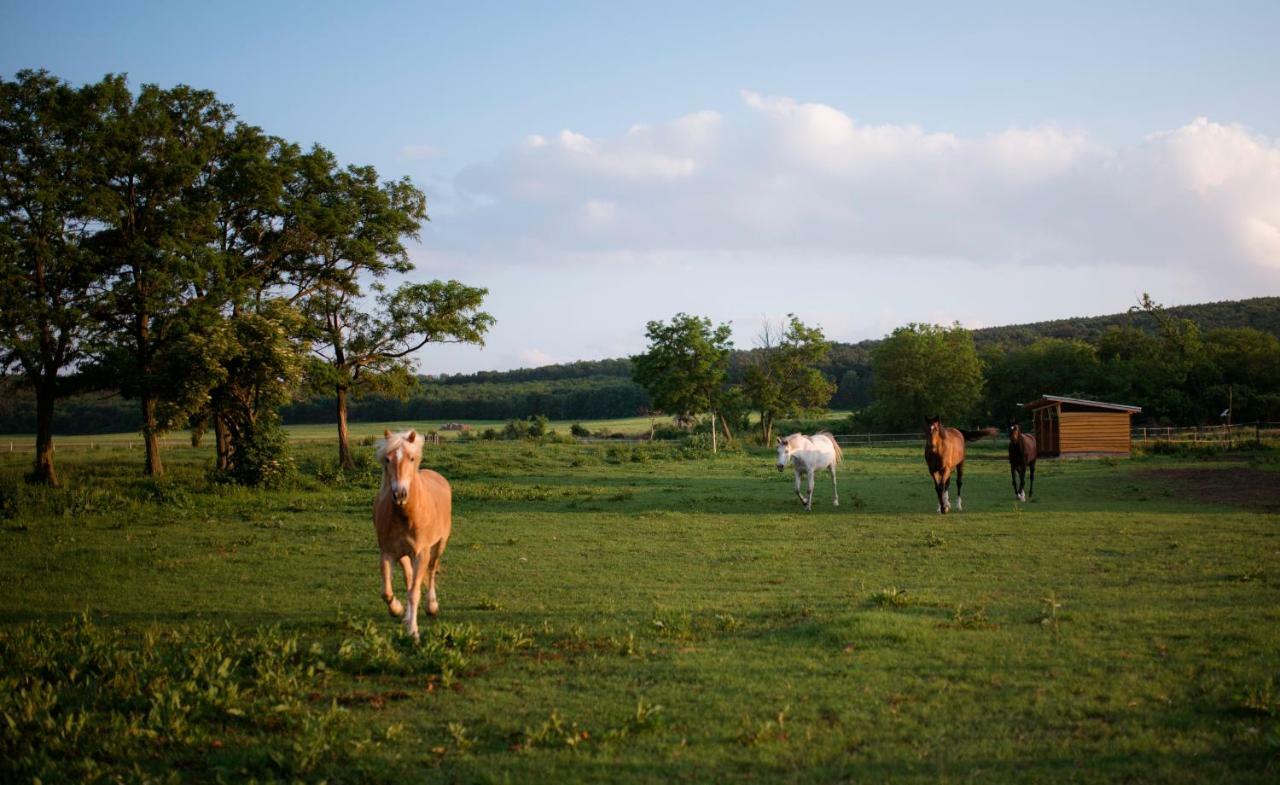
[
  {"x": 943, "y": 454},
  {"x": 1022, "y": 455}
]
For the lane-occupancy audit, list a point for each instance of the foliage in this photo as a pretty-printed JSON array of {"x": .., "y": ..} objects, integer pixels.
[
  {"x": 48, "y": 280},
  {"x": 686, "y": 366},
  {"x": 782, "y": 378},
  {"x": 925, "y": 370}
]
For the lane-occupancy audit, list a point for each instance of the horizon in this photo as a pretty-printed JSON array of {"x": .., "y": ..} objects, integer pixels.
[{"x": 861, "y": 167}]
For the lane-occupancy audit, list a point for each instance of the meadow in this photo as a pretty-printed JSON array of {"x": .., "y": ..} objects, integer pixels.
[{"x": 645, "y": 613}]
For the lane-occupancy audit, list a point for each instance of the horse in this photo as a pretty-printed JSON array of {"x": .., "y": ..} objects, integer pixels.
[
  {"x": 413, "y": 516},
  {"x": 943, "y": 453},
  {"x": 1022, "y": 455},
  {"x": 811, "y": 454}
]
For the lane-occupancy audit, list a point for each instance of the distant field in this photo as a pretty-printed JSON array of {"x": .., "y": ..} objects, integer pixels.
[
  {"x": 641, "y": 614},
  {"x": 358, "y": 430}
]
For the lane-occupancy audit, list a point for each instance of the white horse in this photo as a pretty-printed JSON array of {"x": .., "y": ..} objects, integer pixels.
[{"x": 810, "y": 454}]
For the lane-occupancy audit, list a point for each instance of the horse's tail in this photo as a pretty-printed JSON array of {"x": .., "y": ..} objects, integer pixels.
[
  {"x": 835, "y": 445},
  {"x": 981, "y": 433}
]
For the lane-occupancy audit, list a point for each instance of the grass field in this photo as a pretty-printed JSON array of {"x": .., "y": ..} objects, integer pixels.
[{"x": 635, "y": 613}]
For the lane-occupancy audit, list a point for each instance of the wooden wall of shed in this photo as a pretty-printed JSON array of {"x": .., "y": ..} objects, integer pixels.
[{"x": 1093, "y": 432}]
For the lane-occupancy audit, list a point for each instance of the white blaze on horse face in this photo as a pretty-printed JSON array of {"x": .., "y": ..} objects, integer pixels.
[{"x": 400, "y": 468}]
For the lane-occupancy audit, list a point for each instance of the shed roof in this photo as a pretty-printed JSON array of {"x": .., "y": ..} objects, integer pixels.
[{"x": 1049, "y": 400}]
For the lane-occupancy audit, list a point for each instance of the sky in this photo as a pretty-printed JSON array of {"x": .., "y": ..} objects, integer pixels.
[{"x": 598, "y": 165}]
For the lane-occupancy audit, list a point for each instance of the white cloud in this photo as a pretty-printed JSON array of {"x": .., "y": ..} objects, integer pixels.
[
  {"x": 534, "y": 358},
  {"x": 418, "y": 152},
  {"x": 800, "y": 181}
]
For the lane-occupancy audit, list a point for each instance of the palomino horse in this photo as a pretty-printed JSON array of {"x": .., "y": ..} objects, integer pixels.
[
  {"x": 810, "y": 454},
  {"x": 413, "y": 514},
  {"x": 944, "y": 453},
  {"x": 1022, "y": 455}
]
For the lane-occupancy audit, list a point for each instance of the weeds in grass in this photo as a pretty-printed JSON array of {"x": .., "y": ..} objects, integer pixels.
[
  {"x": 974, "y": 618},
  {"x": 933, "y": 540},
  {"x": 1251, "y": 574},
  {"x": 755, "y": 732},
  {"x": 890, "y": 597},
  {"x": 461, "y": 741},
  {"x": 82, "y": 702},
  {"x": 625, "y": 645},
  {"x": 489, "y": 604},
  {"x": 725, "y": 622},
  {"x": 1050, "y": 618}
]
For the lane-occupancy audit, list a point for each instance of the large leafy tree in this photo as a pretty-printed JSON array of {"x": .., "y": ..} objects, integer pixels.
[
  {"x": 160, "y": 156},
  {"x": 49, "y": 283},
  {"x": 923, "y": 370},
  {"x": 686, "y": 366},
  {"x": 349, "y": 232},
  {"x": 1050, "y": 366},
  {"x": 782, "y": 378}
]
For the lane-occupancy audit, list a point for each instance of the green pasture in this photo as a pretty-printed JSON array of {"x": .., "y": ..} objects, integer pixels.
[{"x": 643, "y": 613}]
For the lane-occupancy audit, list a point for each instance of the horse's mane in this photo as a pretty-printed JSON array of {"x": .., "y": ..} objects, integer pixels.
[
  {"x": 786, "y": 439},
  {"x": 394, "y": 440}
]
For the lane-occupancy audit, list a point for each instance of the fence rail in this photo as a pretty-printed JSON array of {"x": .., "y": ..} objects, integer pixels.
[{"x": 1239, "y": 432}]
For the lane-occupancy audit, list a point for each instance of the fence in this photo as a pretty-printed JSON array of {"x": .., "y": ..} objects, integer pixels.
[{"x": 1209, "y": 434}]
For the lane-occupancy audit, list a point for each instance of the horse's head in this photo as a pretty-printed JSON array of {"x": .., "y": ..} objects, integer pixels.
[
  {"x": 933, "y": 429},
  {"x": 1015, "y": 430},
  {"x": 400, "y": 454},
  {"x": 784, "y": 451}
]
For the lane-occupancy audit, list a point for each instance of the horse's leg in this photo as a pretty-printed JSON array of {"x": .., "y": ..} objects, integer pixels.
[
  {"x": 1032, "y": 492},
  {"x": 946, "y": 489},
  {"x": 808, "y": 503},
  {"x": 415, "y": 594},
  {"x": 835, "y": 492},
  {"x": 937, "y": 488},
  {"x": 960, "y": 487},
  {"x": 388, "y": 596},
  {"x": 1013, "y": 478},
  {"x": 798, "y": 493},
  {"x": 437, "y": 550},
  {"x": 406, "y": 567}
]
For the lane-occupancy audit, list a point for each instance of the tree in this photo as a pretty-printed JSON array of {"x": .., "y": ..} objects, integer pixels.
[
  {"x": 782, "y": 378},
  {"x": 686, "y": 366},
  {"x": 922, "y": 370},
  {"x": 351, "y": 230},
  {"x": 158, "y": 218},
  {"x": 49, "y": 284},
  {"x": 1050, "y": 366}
]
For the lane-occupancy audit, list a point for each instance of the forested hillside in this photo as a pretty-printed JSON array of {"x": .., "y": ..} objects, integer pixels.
[{"x": 594, "y": 389}]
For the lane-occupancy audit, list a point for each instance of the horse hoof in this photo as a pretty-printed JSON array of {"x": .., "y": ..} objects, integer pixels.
[
  {"x": 395, "y": 608},
  {"x": 433, "y": 609},
  {"x": 835, "y": 503}
]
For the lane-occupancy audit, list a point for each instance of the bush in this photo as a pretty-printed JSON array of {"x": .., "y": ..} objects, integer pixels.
[
  {"x": 579, "y": 430},
  {"x": 262, "y": 458}
]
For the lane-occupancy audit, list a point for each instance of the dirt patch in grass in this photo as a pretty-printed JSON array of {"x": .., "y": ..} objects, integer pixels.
[{"x": 1255, "y": 489}]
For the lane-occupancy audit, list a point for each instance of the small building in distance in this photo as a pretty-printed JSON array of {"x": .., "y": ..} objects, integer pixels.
[
  {"x": 455, "y": 426},
  {"x": 1073, "y": 426}
]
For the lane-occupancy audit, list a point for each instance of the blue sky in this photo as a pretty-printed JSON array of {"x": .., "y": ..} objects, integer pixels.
[{"x": 599, "y": 165}]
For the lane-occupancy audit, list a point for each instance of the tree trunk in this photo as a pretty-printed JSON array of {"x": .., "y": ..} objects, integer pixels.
[
  {"x": 766, "y": 428},
  {"x": 713, "y": 432},
  {"x": 344, "y": 449},
  {"x": 221, "y": 442},
  {"x": 44, "y": 471},
  {"x": 150, "y": 437},
  {"x": 728, "y": 434}
]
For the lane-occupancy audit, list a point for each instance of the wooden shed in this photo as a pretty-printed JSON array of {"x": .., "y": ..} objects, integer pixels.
[{"x": 1074, "y": 426}]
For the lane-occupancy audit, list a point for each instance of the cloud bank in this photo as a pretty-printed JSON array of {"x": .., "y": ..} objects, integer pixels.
[{"x": 791, "y": 180}]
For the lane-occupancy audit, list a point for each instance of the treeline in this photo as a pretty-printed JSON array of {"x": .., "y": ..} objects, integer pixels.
[{"x": 589, "y": 398}]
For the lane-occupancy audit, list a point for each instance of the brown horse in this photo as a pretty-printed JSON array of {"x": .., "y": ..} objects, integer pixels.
[
  {"x": 1022, "y": 455},
  {"x": 413, "y": 515},
  {"x": 943, "y": 454}
]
